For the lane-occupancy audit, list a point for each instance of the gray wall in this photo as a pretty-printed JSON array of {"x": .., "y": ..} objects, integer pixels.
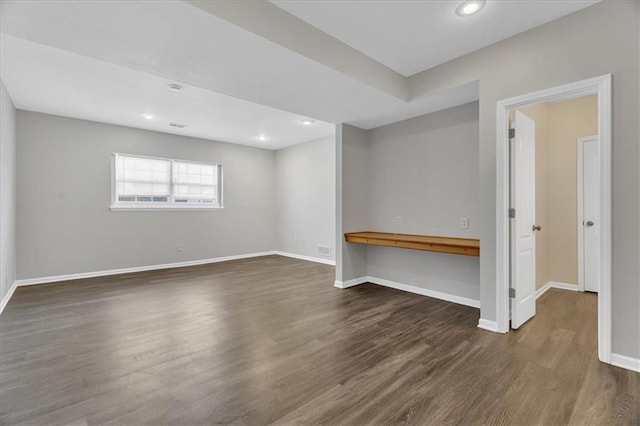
[
  {"x": 352, "y": 161},
  {"x": 306, "y": 194},
  {"x": 7, "y": 192},
  {"x": 598, "y": 40},
  {"x": 65, "y": 226},
  {"x": 425, "y": 170}
]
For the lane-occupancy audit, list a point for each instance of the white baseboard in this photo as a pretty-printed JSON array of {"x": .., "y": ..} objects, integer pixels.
[
  {"x": 7, "y": 296},
  {"x": 411, "y": 289},
  {"x": 351, "y": 283},
  {"x": 308, "y": 258},
  {"x": 564, "y": 286},
  {"x": 426, "y": 292},
  {"x": 57, "y": 278},
  {"x": 554, "y": 284},
  {"x": 542, "y": 290},
  {"x": 488, "y": 325},
  {"x": 627, "y": 362}
]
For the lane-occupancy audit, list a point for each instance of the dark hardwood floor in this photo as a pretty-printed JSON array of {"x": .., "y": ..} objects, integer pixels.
[{"x": 269, "y": 340}]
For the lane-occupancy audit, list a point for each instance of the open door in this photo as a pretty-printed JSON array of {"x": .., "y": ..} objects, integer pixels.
[{"x": 523, "y": 199}]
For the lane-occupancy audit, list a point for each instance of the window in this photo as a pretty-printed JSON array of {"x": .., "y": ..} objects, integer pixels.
[{"x": 147, "y": 182}]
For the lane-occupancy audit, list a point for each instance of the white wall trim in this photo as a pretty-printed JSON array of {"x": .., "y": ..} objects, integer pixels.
[
  {"x": 81, "y": 275},
  {"x": 542, "y": 290},
  {"x": 627, "y": 362},
  {"x": 351, "y": 283},
  {"x": 554, "y": 284},
  {"x": 7, "y": 296},
  {"x": 488, "y": 325},
  {"x": 426, "y": 292},
  {"x": 58, "y": 278},
  {"x": 602, "y": 86},
  {"x": 308, "y": 258},
  {"x": 410, "y": 289},
  {"x": 564, "y": 286},
  {"x": 68, "y": 277}
]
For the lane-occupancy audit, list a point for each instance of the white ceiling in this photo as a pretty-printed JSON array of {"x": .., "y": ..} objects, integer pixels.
[
  {"x": 108, "y": 60},
  {"x": 411, "y": 36},
  {"x": 44, "y": 79}
]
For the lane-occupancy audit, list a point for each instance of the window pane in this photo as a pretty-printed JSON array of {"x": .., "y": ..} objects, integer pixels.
[
  {"x": 143, "y": 175},
  {"x": 129, "y": 188},
  {"x": 139, "y": 178},
  {"x": 160, "y": 176},
  {"x": 143, "y": 164},
  {"x": 129, "y": 164},
  {"x": 150, "y": 180},
  {"x": 195, "y": 183},
  {"x": 161, "y": 166},
  {"x": 160, "y": 189}
]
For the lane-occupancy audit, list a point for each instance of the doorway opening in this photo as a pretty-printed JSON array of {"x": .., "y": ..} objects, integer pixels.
[{"x": 586, "y": 264}]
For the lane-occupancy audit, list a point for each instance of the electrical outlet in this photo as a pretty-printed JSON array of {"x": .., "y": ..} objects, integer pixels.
[
  {"x": 398, "y": 220},
  {"x": 179, "y": 247},
  {"x": 295, "y": 241},
  {"x": 464, "y": 223}
]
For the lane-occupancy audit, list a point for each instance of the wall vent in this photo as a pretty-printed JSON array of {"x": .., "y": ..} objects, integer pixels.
[{"x": 324, "y": 251}]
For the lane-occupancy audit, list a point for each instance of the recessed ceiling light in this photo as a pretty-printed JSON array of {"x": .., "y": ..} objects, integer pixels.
[
  {"x": 148, "y": 116},
  {"x": 178, "y": 125},
  {"x": 263, "y": 138},
  {"x": 307, "y": 121},
  {"x": 175, "y": 87},
  {"x": 470, "y": 7}
]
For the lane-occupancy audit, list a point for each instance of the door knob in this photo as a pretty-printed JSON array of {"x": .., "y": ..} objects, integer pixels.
[
  {"x": 537, "y": 228},
  {"x": 589, "y": 224}
]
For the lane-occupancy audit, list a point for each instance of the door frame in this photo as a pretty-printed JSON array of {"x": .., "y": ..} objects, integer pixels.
[
  {"x": 580, "y": 165},
  {"x": 601, "y": 86}
]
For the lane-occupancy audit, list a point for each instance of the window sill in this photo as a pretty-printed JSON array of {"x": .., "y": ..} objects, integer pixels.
[{"x": 163, "y": 208}]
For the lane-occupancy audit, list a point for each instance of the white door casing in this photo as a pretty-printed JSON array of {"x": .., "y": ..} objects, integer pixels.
[
  {"x": 600, "y": 85},
  {"x": 523, "y": 199},
  {"x": 589, "y": 213}
]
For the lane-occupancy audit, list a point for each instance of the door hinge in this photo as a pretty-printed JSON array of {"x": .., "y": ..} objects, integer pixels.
[
  {"x": 512, "y": 293},
  {"x": 512, "y": 213},
  {"x": 512, "y": 133}
]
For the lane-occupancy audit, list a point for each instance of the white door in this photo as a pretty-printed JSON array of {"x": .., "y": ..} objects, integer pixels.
[
  {"x": 523, "y": 200},
  {"x": 589, "y": 213}
]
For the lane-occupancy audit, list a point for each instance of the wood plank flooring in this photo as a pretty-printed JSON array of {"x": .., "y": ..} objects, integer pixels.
[{"x": 269, "y": 340}]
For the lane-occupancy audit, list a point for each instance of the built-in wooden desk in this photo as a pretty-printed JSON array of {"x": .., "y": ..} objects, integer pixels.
[{"x": 465, "y": 246}]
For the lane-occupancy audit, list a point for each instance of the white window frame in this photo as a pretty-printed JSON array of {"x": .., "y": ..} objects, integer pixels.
[{"x": 170, "y": 205}]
